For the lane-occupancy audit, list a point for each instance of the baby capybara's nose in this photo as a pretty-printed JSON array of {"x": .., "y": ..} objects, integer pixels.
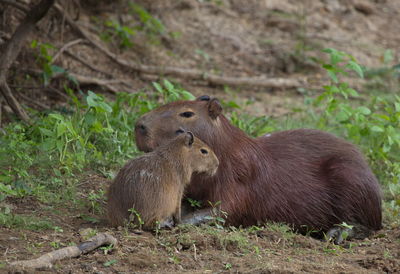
[{"x": 141, "y": 129}]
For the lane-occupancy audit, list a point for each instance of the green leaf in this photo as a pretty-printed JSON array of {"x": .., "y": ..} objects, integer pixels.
[
  {"x": 342, "y": 116},
  {"x": 60, "y": 145},
  {"x": 377, "y": 129},
  {"x": 364, "y": 110},
  {"x": 34, "y": 44},
  {"x": 97, "y": 127},
  {"x": 397, "y": 106},
  {"x": 48, "y": 144},
  {"x": 333, "y": 76},
  {"x": 7, "y": 190},
  {"x": 187, "y": 95},
  {"x": 158, "y": 87},
  {"x": 46, "y": 132},
  {"x": 170, "y": 87},
  {"x": 105, "y": 107},
  {"x": 352, "y": 92},
  {"x": 92, "y": 99},
  {"x": 388, "y": 56},
  {"x": 56, "y": 116},
  {"x": 109, "y": 263},
  {"x": 335, "y": 55},
  {"x": 61, "y": 129},
  {"x": 355, "y": 67},
  {"x": 57, "y": 70}
]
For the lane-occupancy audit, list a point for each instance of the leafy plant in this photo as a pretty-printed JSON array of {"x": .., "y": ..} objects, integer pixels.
[
  {"x": 149, "y": 23},
  {"x": 218, "y": 216},
  {"x": 135, "y": 218},
  {"x": 374, "y": 126},
  {"x": 107, "y": 249},
  {"x": 110, "y": 263},
  {"x": 194, "y": 203},
  {"x": 45, "y": 60},
  {"x": 169, "y": 93},
  {"x": 114, "y": 30}
]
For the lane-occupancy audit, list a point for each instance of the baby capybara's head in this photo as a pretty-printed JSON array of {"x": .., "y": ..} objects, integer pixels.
[
  {"x": 162, "y": 124},
  {"x": 194, "y": 153}
]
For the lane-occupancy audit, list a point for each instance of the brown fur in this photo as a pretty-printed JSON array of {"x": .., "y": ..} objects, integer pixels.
[
  {"x": 153, "y": 184},
  {"x": 300, "y": 177}
]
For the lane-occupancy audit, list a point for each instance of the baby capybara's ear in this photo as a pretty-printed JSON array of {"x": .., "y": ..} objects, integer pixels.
[
  {"x": 203, "y": 98},
  {"x": 214, "y": 108},
  {"x": 189, "y": 139}
]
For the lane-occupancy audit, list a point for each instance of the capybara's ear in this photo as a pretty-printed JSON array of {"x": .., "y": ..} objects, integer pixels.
[
  {"x": 214, "y": 108},
  {"x": 189, "y": 139},
  {"x": 203, "y": 98}
]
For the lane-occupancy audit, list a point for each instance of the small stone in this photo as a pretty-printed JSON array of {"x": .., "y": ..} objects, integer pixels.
[{"x": 364, "y": 7}]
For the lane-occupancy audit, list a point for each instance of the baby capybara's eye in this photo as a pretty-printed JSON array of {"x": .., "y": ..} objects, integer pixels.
[{"x": 204, "y": 151}]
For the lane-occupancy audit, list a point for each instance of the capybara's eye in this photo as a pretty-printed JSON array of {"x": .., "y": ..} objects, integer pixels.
[
  {"x": 204, "y": 151},
  {"x": 187, "y": 114},
  {"x": 179, "y": 131}
]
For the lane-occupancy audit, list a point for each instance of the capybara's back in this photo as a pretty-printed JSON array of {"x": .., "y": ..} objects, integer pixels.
[{"x": 149, "y": 189}]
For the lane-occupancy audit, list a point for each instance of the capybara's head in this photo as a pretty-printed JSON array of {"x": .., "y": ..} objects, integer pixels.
[
  {"x": 195, "y": 153},
  {"x": 162, "y": 124}
]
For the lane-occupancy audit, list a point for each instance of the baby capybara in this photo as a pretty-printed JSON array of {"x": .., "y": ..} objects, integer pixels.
[{"x": 150, "y": 188}]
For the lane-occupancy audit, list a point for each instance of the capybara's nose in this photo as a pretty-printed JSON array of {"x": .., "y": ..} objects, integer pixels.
[{"x": 141, "y": 129}]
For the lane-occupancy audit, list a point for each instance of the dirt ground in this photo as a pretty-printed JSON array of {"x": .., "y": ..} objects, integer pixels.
[
  {"x": 205, "y": 249},
  {"x": 274, "y": 38}
]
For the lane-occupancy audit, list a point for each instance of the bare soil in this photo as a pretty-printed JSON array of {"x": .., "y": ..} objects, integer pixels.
[
  {"x": 271, "y": 249},
  {"x": 236, "y": 38}
]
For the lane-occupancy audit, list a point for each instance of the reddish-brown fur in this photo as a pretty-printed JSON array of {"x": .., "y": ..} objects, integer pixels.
[
  {"x": 300, "y": 177},
  {"x": 153, "y": 184}
]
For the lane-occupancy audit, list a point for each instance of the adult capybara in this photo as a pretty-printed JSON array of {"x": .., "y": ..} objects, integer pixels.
[
  {"x": 153, "y": 184},
  {"x": 303, "y": 177}
]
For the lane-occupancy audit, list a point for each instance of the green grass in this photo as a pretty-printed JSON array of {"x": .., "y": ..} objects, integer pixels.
[
  {"x": 10, "y": 220},
  {"x": 46, "y": 159}
]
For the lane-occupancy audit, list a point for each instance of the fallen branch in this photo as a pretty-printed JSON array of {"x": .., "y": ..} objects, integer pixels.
[
  {"x": 192, "y": 74},
  {"x": 12, "y": 48},
  {"x": 47, "y": 260}
]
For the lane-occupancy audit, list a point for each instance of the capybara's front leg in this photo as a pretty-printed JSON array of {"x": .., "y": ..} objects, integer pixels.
[{"x": 177, "y": 216}]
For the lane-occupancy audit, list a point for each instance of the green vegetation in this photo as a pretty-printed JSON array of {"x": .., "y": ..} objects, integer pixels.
[
  {"x": 46, "y": 159},
  {"x": 122, "y": 33}
]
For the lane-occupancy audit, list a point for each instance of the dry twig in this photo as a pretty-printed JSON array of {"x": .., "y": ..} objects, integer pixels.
[
  {"x": 64, "y": 48},
  {"x": 47, "y": 260}
]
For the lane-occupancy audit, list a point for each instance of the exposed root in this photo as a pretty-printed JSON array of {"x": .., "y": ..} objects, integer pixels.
[
  {"x": 15, "y": 4},
  {"x": 31, "y": 102},
  {"x": 47, "y": 260},
  {"x": 87, "y": 64},
  {"x": 86, "y": 80},
  {"x": 12, "y": 48}
]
